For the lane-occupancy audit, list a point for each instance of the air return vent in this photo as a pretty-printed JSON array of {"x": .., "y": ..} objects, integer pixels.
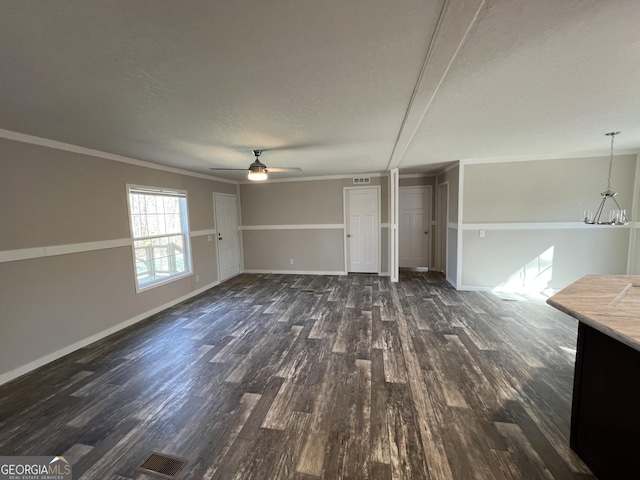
[
  {"x": 361, "y": 180},
  {"x": 161, "y": 465}
]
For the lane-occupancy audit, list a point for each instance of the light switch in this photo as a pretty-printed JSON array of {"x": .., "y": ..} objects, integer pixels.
[{"x": 482, "y": 233}]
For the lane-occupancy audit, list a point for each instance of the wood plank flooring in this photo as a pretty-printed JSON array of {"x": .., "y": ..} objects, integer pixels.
[{"x": 308, "y": 377}]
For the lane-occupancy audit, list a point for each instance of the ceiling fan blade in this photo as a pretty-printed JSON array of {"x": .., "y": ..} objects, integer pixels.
[
  {"x": 220, "y": 168},
  {"x": 283, "y": 169}
]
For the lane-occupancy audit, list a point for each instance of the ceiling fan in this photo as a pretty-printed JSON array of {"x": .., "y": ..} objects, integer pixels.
[{"x": 258, "y": 171}]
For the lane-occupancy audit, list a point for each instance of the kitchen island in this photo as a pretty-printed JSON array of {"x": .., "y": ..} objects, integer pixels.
[{"x": 605, "y": 414}]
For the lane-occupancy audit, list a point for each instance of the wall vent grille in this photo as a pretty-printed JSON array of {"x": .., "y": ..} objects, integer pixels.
[{"x": 361, "y": 180}]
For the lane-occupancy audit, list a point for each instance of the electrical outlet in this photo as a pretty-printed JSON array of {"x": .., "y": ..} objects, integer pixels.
[
  {"x": 291, "y": 261},
  {"x": 481, "y": 233},
  {"x": 197, "y": 278}
]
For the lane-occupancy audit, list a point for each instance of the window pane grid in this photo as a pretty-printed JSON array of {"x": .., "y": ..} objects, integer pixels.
[
  {"x": 155, "y": 215},
  {"x": 160, "y": 236}
]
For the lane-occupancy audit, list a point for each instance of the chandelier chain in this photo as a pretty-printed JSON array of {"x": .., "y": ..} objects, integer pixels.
[{"x": 613, "y": 136}]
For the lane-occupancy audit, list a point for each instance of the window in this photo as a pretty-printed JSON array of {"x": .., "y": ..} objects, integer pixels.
[{"x": 160, "y": 232}]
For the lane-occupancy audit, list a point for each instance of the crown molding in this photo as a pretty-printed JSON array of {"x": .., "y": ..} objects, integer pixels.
[{"x": 68, "y": 147}]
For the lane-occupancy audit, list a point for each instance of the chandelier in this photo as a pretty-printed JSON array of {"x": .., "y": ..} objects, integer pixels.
[{"x": 617, "y": 216}]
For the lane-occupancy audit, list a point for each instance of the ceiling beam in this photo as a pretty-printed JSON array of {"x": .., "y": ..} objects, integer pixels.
[{"x": 457, "y": 18}]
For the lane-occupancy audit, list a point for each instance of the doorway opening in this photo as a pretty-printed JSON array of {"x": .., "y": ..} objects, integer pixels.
[{"x": 414, "y": 224}]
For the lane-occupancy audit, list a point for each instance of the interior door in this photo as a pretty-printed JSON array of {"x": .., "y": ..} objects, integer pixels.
[
  {"x": 442, "y": 216},
  {"x": 226, "y": 211},
  {"x": 414, "y": 226},
  {"x": 363, "y": 230}
]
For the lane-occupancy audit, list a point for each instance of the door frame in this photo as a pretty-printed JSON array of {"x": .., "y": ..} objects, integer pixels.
[
  {"x": 345, "y": 217},
  {"x": 237, "y": 236},
  {"x": 442, "y": 240},
  {"x": 427, "y": 221}
]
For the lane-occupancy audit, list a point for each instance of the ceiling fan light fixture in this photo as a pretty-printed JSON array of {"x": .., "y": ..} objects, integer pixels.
[
  {"x": 257, "y": 170},
  {"x": 257, "y": 176}
]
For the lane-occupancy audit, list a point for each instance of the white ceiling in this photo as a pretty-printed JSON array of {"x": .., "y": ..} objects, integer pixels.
[{"x": 331, "y": 86}]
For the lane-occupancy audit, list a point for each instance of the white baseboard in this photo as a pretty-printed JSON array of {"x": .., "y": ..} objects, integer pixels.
[
  {"x": 294, "y": 272},
  {"x": 8, "y": 376},
  {"x": 452, "y": 282},
  {"x": 475, "y": 288},
  {"x": 497, "y": 290}
]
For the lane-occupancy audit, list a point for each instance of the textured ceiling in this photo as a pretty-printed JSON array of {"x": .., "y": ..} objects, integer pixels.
[{"x": 331, "y": 86}]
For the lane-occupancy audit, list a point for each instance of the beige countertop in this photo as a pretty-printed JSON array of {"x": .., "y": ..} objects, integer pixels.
[{"x": 608, "y": 303}]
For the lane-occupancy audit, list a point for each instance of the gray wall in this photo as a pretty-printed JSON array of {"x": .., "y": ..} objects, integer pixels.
[
  {"x": 543, "y": 190},
  {"x": 512, "y": 256},
  {"x": 52, "y": 197},
  {"x": 311, "y": 250},
  {"x": 543, "y": 195},
  {"x": 304, "y": 203},
  {"x": 453, "y": 177}
]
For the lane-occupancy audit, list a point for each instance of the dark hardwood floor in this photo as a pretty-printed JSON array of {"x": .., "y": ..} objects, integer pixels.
[{"x": 307, "y": 377}]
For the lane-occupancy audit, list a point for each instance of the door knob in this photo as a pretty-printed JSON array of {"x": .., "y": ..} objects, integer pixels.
[
  {"x": 219, "y": 237},
  {"x": 348, "y": 235},
  {"x": 426, "y": 232}
]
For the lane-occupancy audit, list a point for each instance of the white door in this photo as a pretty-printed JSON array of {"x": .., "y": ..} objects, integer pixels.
[
  {"x": 363, "y": 229},
  {"x": 226, "y": 211},
  {"x": 414, "y": 226},
  {"x": 442, "y": 218}
]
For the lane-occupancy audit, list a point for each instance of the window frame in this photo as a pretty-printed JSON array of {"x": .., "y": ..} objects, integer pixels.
[{"x": 185, "y": 233}]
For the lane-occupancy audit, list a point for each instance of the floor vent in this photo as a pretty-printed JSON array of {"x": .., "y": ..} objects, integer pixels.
[
  {"x": 162, "y": 466},
  {"x": 308, "y": 290}
]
